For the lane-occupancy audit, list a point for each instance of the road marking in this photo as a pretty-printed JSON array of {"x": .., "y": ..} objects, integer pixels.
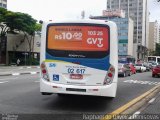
[
  {"x": 129, "y": 104},
  {"x": 152, "y": 100},
  {"x": 15, "y": 74},
  {"x": 142, "y": 82},
  {"x": 134, "y": 115},
  {"x": 33, "y": 73},
  {"x": 4, "y": 82},
  {"x": 28, "y": 67}
]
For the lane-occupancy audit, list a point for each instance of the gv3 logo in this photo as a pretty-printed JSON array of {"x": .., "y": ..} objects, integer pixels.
[{"x": 95, "y": 41}]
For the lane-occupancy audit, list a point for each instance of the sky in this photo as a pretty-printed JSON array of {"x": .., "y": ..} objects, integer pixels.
[{"x": 60, "y": 9}]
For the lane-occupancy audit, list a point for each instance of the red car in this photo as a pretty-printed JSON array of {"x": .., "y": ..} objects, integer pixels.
[
  {"x": 156, "y": 71},
  {"x": 132, "y": 68}
]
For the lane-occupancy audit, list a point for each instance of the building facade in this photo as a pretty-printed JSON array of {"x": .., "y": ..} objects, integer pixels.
[
  {"x": 138, "y": 11},
  {"x": 3, "y": 4},
  {"x": 154, "y": 34},
  {"x": 19, "y": 48},
  {"x": 159, "y": 34},
  {"x": 125, "y": 34}
]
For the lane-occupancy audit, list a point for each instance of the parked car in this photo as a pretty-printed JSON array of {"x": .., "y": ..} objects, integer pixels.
[
  {"x": 154, "y": 64},
  {"x": 148, "y": 66},
  {"x": 124, "y": 70},
  {"x": 156, "y": 71},
  {"x": 132, "y": 68},
  {"x": 140, "y": 67}
]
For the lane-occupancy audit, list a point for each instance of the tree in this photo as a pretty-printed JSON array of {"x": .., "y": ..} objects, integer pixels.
[
  {"x": 16, "y": 22},
  {"x": 3, "y": 35},
  {"x": 23, "y": 23},
  {"x": 157, "y": 51}
]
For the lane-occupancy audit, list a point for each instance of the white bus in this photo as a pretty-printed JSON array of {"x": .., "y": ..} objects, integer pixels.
[
  {"x": 155, "y": 59},
  {"x": 79, "y": 57}
]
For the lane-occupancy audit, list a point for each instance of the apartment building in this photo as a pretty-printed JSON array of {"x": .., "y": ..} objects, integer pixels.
[
  {"x": 138, "y": 11},
  {"x": 3, "y": 4},
  {"x": 125, "y": 30},
  {"x": 154, "y": 35}
]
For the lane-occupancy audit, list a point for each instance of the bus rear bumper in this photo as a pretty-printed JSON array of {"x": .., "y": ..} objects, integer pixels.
[{"x": 107, "y": 90}]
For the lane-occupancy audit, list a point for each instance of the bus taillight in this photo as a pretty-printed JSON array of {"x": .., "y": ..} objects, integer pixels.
[
  {"x": 110, "y": 75},
  {"x": 44, "y": 72}
]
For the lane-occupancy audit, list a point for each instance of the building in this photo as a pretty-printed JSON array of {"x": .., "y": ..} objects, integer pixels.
[
  {"x": 138, "y": 11},
  {"x": 18, "y": 48},
  {"x": 3, "y": 4},
  {"x": 159, "y": 34},
  {"x": 154, "y": 33},
  {"x": 125, "y": 30}
]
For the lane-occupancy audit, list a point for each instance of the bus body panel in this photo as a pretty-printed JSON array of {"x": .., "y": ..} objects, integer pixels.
[
  {"x": 155, "y": 59},
  {"x": 108, "y": 90},
  {"x": 87, "y": 76},
  {"x": 91, "y": 74}
]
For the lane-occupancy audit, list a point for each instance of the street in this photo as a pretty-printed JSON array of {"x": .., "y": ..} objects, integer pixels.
[{"x": 20, "y": 95}]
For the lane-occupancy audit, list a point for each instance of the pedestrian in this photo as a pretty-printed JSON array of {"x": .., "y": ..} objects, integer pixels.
[{"x": 18, "y": 62}]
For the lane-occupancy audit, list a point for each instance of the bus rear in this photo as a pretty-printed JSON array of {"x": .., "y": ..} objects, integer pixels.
[{"x": 79, "y": 57}]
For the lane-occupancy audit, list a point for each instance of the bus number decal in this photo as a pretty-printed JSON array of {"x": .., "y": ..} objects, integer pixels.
[
  {"x": 70, "y": 70},
  {"x": 80, "y": 71},
  {"x": 77, "y": 71}
]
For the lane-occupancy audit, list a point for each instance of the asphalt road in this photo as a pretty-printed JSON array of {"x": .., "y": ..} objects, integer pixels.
[{"x": 20, "y": 95}]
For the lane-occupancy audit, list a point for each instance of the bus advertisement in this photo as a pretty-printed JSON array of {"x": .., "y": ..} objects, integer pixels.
[{"x": 79, "y": 57}]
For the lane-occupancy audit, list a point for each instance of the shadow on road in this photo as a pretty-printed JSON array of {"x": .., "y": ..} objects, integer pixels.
[{"x": 79, "y": 103}]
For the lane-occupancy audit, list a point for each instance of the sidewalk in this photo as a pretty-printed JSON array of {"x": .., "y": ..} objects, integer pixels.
[
  {"x": 7, "y": 67},
  {"x": 18, "y": 70}
]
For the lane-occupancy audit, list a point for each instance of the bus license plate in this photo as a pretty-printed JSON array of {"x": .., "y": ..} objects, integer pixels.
[{"x": 76, "y": 76}]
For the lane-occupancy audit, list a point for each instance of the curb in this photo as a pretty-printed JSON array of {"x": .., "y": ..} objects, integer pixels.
[
  {"x": 31, "y": 67},
  {"x": 16, "y": 74},
  {"x": 133, "y": 105},
  {"x": 20, "y": 67}
]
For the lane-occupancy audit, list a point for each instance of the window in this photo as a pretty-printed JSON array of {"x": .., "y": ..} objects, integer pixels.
[
  {"x": 77, "y": 40},
  {"x": 4, "y": 5}
]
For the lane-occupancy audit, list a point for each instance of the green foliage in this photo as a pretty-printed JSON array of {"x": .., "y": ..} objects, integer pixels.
[
  {"x": 38, "y": 27},
  {"x": 18, "y": 21},
  {"x": 157, "y": 51},
  {"x": 21, "y": 22},
  {"x": 2, "y": 14}
]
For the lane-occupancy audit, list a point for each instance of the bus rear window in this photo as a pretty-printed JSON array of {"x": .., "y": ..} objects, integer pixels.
[
  {"x": 151, "y": 58},
  {"x": 78, "y": 38}
]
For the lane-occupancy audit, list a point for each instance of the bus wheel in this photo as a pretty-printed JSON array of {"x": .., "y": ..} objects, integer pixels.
[
  {"x": 108, "y": 98},
  {"x": 44, "y": 93}
]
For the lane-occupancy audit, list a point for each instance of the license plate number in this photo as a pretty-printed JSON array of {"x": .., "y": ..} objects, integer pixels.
[{"x": 76, "y": 76}]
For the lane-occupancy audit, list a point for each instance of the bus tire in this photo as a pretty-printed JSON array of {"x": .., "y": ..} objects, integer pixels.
[
  {"x": 108, "y": 98},
  {"x": 45, "y": 93}
]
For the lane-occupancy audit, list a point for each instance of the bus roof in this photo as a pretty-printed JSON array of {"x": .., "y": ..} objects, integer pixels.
[{"x": 80, "y": 21}]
